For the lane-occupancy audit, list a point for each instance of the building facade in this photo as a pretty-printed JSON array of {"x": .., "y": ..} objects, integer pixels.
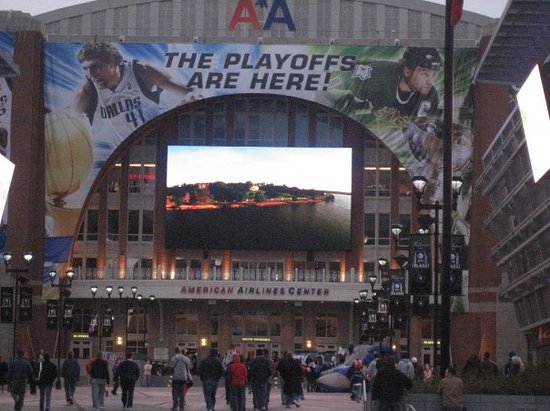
[{"x": 277, "y": 299}]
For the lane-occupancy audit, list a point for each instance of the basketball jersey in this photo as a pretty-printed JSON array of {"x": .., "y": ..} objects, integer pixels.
[{"x": 120, "y": 112}]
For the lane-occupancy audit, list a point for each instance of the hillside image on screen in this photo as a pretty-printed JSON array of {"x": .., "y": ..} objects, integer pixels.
[{"x": 258, "y": 198}]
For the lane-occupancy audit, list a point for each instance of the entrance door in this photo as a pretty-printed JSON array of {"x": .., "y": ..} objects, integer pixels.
[
  {"x": 250, "y": 349},
  {"x": 82, "y": 349}
]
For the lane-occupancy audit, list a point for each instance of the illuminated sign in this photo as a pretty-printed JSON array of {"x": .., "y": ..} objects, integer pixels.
[{"x": 256, "y": 339}]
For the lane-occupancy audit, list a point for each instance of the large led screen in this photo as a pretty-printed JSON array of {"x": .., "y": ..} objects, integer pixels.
[
  {"x": 260, "y": 198},
  {"x": 536, "y": 122}
]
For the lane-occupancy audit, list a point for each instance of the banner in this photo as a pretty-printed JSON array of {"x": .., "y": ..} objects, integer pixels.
[
  {"x": 68, "y": 315},
  {"x": 6, "y": 308},
  {"x": 90, "y": 112},
  {"x": 25, "y": 304},
  {"x": 397, "y": 282},
  {"x": 420, "y": 260},
  {"x": 51, "y": 314},
  {"x": 459, "y": 262}
]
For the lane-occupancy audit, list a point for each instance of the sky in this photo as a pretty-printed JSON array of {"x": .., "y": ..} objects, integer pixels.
[
  {"x": 491, "y": 8},
  {"x": 327, "y": 169}
]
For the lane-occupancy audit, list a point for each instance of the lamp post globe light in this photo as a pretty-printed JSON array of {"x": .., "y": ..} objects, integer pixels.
[{"x": 18, "y": 276}]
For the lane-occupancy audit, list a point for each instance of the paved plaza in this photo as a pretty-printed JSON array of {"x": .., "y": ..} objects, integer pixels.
[{"x": 155, "y": 398}]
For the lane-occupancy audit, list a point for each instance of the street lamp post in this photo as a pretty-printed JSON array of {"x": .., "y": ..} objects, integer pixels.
[
  {"x": 419, "y": 183},
  {"x": 17, "y": 272},
  {"x": 140, "y": 299},
  {"x": 63, "y": 294},
  {"x": 99, "y": 323},
  {"x": 133, "y": 289}
]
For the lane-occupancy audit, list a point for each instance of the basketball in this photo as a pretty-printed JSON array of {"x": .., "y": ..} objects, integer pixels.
[{"x": 68, "y": 154}]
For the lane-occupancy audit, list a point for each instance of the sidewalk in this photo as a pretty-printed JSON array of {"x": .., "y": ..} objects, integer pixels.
[{"x": 155, "y": 398}]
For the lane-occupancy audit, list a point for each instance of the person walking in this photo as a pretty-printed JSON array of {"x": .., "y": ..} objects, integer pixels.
[
  {"x": 127, "y": 373},
  {"x": 100, "y": 377},
  {"x": 489, "y": 368},
  {"x": 116, "y": 382},
  {"x": 19, "y": 373},
  {"x": 210, "y": 372},
  {"x": 147, "y": 369},
  {"x": 451, "y": 390},
  {"x": 46, "y": 378},
  {"x": 181, "y": 374},
  {"x": 290, "y": 370},
  {"x": 4, "y": 370},
  {"x": 260, "y": 372},
  {"x": 389, "y": 386},
  {"x": 238, "y": 375},
  {"x": 70, "y": 371}
]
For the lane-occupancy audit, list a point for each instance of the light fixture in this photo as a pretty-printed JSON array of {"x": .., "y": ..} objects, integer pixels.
[
  {"x": 70, "y": 274},
  {"x": 396, "y": 230},
  {"x": 372, "y": 279},
  {"x": 134, "y": 290},
  {"x": 120, "y": 290},
  {"x": 382, "y": 262},
  {"x": 419, "y": 183},
  {"x": 109, "y": 290},
  {"x": 309, "y": 344},
  {"x": 139, "y": 297},
  {"x": 152, "y": 298},
  {"x": 27, "y": 256},
  {"x": 52, "y": 274},
  {"x": 93, "y": 290},
  {"x": 456, "y": 184},
  {"x": 356, "y": 300},
  {"x": 204, "y": 342},
  {"x": 7, "y": 257},
  {"x": 363, "y": 294},
  {"x": 119, "y": 340}
]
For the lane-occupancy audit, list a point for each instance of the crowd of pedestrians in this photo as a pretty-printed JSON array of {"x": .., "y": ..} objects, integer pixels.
[{"x": 387, "y": 377}]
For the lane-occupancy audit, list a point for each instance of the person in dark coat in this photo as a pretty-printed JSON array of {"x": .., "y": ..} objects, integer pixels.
[
  {"x": 290, "y": 371},
  {"x": 4, "y": 370},
  {"x": 127, "y": 373},
  {"x": 20, "y": 372},
  {"x": 389, "y": 386},
  {"x": 260, "y": 372},
  {"x": 70, "y": 371},
  {"x": 46, "y": 378},
  {"x": 99, "y": 373},
  {"x": 210, "y": 372}
]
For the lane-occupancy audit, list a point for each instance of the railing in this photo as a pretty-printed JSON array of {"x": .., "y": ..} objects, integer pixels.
[{"x": 215, "y": 274}]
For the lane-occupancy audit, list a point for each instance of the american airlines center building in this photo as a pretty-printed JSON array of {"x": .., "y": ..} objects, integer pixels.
[{"x": 228, "y": 172}]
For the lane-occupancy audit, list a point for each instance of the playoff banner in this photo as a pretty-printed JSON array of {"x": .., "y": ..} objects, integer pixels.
[
  {"x": 97, "y": 94},
  {"x": 25, "y": 304}
]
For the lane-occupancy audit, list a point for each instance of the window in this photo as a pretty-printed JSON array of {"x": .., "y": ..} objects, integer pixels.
[
  {"x": 329, "y": 129},
  {"x": 136, "y": 321},
  {"x": 370, "y": 228},
  {"x": 147, "y": 225},
  {"x": 112, "y": 225},
  {"x": 256, "y": 324},
  {"x": 301, "y": 138},
  {"x": 192, "y": 128},
  {"x": 133, "y": 225},
  {"x": 186, "y": 323},
  {"x": 214, "y": 323},
  {"x": 326, "y": 325},
  {"x": 237, "y": 324},
  {"x": 383, "y": 229},
  {"x": 298, "y": 325},
  {"x": 219, "y": 122},
  {"x": 81, "y": 320},
  {"x": 91, "y": 225},
  {"x": 275, "y": 325}
]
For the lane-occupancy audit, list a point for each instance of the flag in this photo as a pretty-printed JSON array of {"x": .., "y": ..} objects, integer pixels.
[{"x": 456, "y": 11}]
